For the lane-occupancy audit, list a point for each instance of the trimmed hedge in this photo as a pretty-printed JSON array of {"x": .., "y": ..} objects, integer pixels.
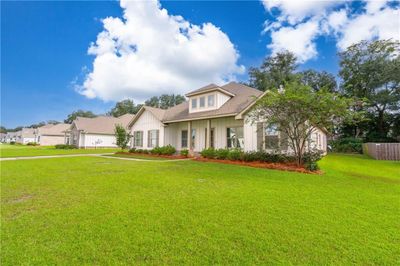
[
  {"x": 185, "y": 153},
  {"x": 64, "y": 147},
  {"x": 164, "y": 150},
  {"x": 310, "y": 158},
  {"x": 32, "y": 144}
]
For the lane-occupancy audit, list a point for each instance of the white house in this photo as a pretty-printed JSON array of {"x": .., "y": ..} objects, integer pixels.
[
  {"x": 95, "y": 132},
  {"x": 25, "y": 135},
  {"x": 50, "y": 134},
  {"x": 214, "y": 116}
]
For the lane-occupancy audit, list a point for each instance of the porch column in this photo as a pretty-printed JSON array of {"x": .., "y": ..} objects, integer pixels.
[
  {"x": 208, "y": 138},
  {"x": 190, "y": 137}
]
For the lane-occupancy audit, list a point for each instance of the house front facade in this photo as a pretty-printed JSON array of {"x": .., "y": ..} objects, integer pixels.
[
  {"x": 25, "y": 135},
  {"x": 214, "y": 116},
  {"x": 50, "y": 134},
  {"x": 95, "y": 132}
]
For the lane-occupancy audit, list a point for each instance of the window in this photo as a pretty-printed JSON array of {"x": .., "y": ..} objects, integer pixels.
[
  {"x": 235, "y": 137},
  {"x": 212, "y": 137},
  {"x": 202, "y": 101},
  {"x": 271, "y": 137},
  {"x": 210, "y": 100},
  {"x": 138, "y": 138},
  {"x": 152, "y": 138},
  {"x": 184, "y": 138},
  {"x": 194, "y": 103},
  {"x": 193, "y": 138}
]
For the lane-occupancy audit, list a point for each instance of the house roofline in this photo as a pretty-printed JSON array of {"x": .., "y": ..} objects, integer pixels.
[
  {"x": 248, "y": 107},
  {"x": 209, "y": 90},
  {"x": 199, "y": 118}
]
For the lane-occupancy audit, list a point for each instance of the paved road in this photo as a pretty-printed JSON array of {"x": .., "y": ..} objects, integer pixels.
[{"x": 103, "y": 155}]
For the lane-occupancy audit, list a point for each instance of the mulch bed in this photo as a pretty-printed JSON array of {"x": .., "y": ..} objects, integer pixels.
[
  {"x": 277, "y": 166},
  {"x": 172, "y": 157}
]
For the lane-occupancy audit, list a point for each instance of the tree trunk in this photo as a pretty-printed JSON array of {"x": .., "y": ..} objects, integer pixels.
[{"x": 381, "y": 128}]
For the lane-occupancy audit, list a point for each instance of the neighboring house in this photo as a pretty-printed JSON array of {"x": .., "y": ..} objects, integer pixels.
[
  {"x": 25, "y": 135},
  {"x": 49, "y": 135},
  {"x": 214, "y": 116},
  {"x": 96, "y": 132},
  {"x": 3, "y": 137},
  {"x": 10, "y": 137}
]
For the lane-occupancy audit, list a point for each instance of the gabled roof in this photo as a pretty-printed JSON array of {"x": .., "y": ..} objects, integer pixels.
[
  {"x": 101, "y": 124},
  {"x": 209, "y": 88},
  {"x": 241, "y": 97},
  {"x": 53, "y": 130},
  {"x": 26, "y": 132}
]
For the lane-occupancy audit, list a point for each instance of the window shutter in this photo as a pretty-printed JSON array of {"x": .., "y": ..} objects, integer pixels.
[
  {"x": 260, "y": 127},
  {"x": 157, "y": 137},
  {"x": 141, "y": 138},
  {"x": 148, "y": 139}
]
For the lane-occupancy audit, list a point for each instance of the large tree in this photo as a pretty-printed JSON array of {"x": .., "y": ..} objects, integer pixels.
[
  {"x": 165, "y": 101},
  {"x": 371, "y": 71},
  {"x": 318, "y": 80},
  {"x": 124, "y": 107},
  {"x": 298, "y": 110},
  {"x": 71, "y": 117},
  {"x": 274, "y": 71}
]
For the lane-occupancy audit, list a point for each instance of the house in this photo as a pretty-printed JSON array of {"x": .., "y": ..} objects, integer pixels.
[
  {"x": 10, "y": 137},
  {"x": 214, "y": 116},
  {"x": 3, "y": 137},
  {"x": 95, "y": 132},
  {"x": 50, "y": 134},
  {"x": 25, "y": 135}
]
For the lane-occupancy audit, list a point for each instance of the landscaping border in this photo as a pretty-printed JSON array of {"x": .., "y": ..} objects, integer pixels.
[{"x": 172, "y": 157}]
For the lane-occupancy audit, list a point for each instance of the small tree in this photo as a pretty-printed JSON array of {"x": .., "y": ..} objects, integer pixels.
[
  {"x": 122, "y": 137},
  {"x": 298, "y": 110}
]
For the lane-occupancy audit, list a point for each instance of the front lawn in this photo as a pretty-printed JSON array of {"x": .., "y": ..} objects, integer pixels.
[
  {"x": 94, "y": 210},
  {"x": 7, "y": 150}
]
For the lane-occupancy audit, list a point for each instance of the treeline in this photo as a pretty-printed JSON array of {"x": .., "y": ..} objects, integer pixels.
[{"x": 369, "y": 73}]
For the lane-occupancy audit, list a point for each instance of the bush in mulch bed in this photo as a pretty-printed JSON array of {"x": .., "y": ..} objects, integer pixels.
[
  {"x": 163, "y": 151},
  {"x": 262, "y": 159}
]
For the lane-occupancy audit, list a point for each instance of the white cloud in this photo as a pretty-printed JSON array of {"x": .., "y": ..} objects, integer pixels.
[
  {"x": 298, "y": 40},
  {"x": 150, "y": 52},
  {"x": 300, "y": 23}
]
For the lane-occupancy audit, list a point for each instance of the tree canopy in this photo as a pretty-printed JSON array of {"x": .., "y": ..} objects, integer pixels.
[
  {"x": 71, "y": 117},
  {"x": 165, "y": 101},
  {"x": 124, "y": 107},
  {"x": 298, "y": 110}
]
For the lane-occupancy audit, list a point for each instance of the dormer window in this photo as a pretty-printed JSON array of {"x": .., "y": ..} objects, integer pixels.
[
  {"x": 194, "y": 103},
  {"x": 210, "y": 100},
  {"x": 202, "y": 102}
]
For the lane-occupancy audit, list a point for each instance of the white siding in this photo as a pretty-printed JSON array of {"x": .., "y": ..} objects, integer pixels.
[
  {"x": 147, "y": 121},
  {"x": 219, "y": 100},
  {"x": 97, "y": 141}
]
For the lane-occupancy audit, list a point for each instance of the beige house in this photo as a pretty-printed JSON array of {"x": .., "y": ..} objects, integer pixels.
[
  {"x": 214, "y": 116},
  {"x": 25, "y": 135},
  {"x": 50, "y": 134},
  {"x": 95, "y": 132}
]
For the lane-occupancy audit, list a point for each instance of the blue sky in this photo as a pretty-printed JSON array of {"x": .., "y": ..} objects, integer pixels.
[{"x": 45, "y": 60}]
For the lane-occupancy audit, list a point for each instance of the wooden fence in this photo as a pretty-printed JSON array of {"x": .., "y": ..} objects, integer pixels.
[{"x": 382, "y": 151}]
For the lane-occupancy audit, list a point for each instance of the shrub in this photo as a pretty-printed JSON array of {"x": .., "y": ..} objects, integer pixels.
[
  {"x": 156, "y": 150},
  {"x": 32, "y": 144},
  {"x": 208, "y": 153},
  {"x": 132, "y": 150},
  {"x": 12, "y": 142},
  {"x": 311, "y": 158},
  {"x": 64, "y": 147},
  {"x": 235, "y": 155},
  {"x": 185, "y": 153},
  {"x": 221, "y": 154},
  {"x": 347, "y": 145},
  {"x": 164, "y": 150}
]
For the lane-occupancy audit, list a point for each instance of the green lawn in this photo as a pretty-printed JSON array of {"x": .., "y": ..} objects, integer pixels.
[
  {"x": 24, "y": 150},
  {"x": 139, "y": 156},
  {"x": 94, "y": 210}
]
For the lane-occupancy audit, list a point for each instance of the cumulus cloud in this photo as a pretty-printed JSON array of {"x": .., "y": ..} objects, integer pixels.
[
  {"x": 300, "y": 23},
  {"x": 149, "y": 52}
]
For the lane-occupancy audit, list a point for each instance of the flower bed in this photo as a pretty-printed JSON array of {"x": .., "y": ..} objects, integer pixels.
[{"x": 278, "y": 166}]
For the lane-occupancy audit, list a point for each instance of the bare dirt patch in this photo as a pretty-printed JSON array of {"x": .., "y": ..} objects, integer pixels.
[{"x": 22, "y": 198}]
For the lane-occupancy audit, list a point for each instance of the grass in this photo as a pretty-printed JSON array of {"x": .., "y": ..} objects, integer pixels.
[
  {"x": 139, "y": 156},
  {"x": 94, "y": 210},
  {"x": 24, "y": 150}
]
